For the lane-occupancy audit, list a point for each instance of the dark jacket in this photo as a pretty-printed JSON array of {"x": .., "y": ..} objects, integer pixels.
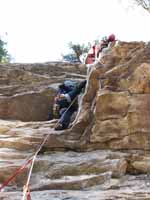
[{"x": 70, "y": 94}]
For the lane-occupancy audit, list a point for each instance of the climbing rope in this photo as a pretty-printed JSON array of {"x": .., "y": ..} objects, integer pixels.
[
  {"x": 18, "y": 171},
  {"x": 26, "y": 191},
  {"x": 31, "y": 160}
]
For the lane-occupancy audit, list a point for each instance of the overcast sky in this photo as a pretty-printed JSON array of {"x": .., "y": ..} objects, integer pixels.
[{"x": 39, "y": 30}]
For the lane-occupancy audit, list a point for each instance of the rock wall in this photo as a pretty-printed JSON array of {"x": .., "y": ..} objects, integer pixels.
[
  {"x": 115, "y": 108},
  {"x": 27, "y": 90},
  {"x": 104, "y": 154}
]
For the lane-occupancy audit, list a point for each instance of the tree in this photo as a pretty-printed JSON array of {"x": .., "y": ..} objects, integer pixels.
[
  {"x": 4, "y": 56},
  {"x": 144, "y": 3},
  {"x": 77, "y": 51}
]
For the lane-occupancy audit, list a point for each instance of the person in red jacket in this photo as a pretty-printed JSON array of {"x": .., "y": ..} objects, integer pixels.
[
  {"x": 105, "y": 44},
  {"x": 91, "y": 55}
]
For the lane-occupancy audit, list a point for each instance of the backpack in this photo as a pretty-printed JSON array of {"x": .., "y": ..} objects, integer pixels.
[{"x": 67, "y": 86}]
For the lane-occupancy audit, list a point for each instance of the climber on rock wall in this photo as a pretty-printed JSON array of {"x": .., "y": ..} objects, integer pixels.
[{"x": 66, "y": 103}]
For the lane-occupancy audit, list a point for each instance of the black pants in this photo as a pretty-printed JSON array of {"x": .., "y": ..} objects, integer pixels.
[{"x": 65, "y": 116}]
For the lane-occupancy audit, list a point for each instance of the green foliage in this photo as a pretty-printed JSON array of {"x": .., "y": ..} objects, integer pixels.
[
  {"x": 4, "y": 56},
  {"x": 76, "y": 51}
]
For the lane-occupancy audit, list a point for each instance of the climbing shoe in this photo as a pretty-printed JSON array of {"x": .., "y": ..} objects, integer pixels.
[{"x": 59, "y": 127}]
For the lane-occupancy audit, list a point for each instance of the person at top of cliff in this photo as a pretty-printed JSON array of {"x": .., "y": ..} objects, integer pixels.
[
  {"x": 104, "y": 45},
  {"x": 66, "y": 103},
  {"x": 91, "y": 54}
]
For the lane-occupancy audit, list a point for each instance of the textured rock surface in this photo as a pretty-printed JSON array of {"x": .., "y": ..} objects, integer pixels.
[
  {"x": 106, "y": 152},
  {"x": 27, "y": 90}
]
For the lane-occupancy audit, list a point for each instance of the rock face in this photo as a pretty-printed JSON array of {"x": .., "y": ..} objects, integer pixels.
[
  {"x": 121, "y": 112},
  {"x": 106, "y": 152},
  {"x": 27, "y": 90}
]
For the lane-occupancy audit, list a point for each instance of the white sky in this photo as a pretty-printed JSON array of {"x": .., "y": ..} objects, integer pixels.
[{"x": 39, "y": 30}]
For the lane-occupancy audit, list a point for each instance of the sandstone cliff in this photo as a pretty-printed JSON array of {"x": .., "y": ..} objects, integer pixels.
[{"x": 105, "y": 154}]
